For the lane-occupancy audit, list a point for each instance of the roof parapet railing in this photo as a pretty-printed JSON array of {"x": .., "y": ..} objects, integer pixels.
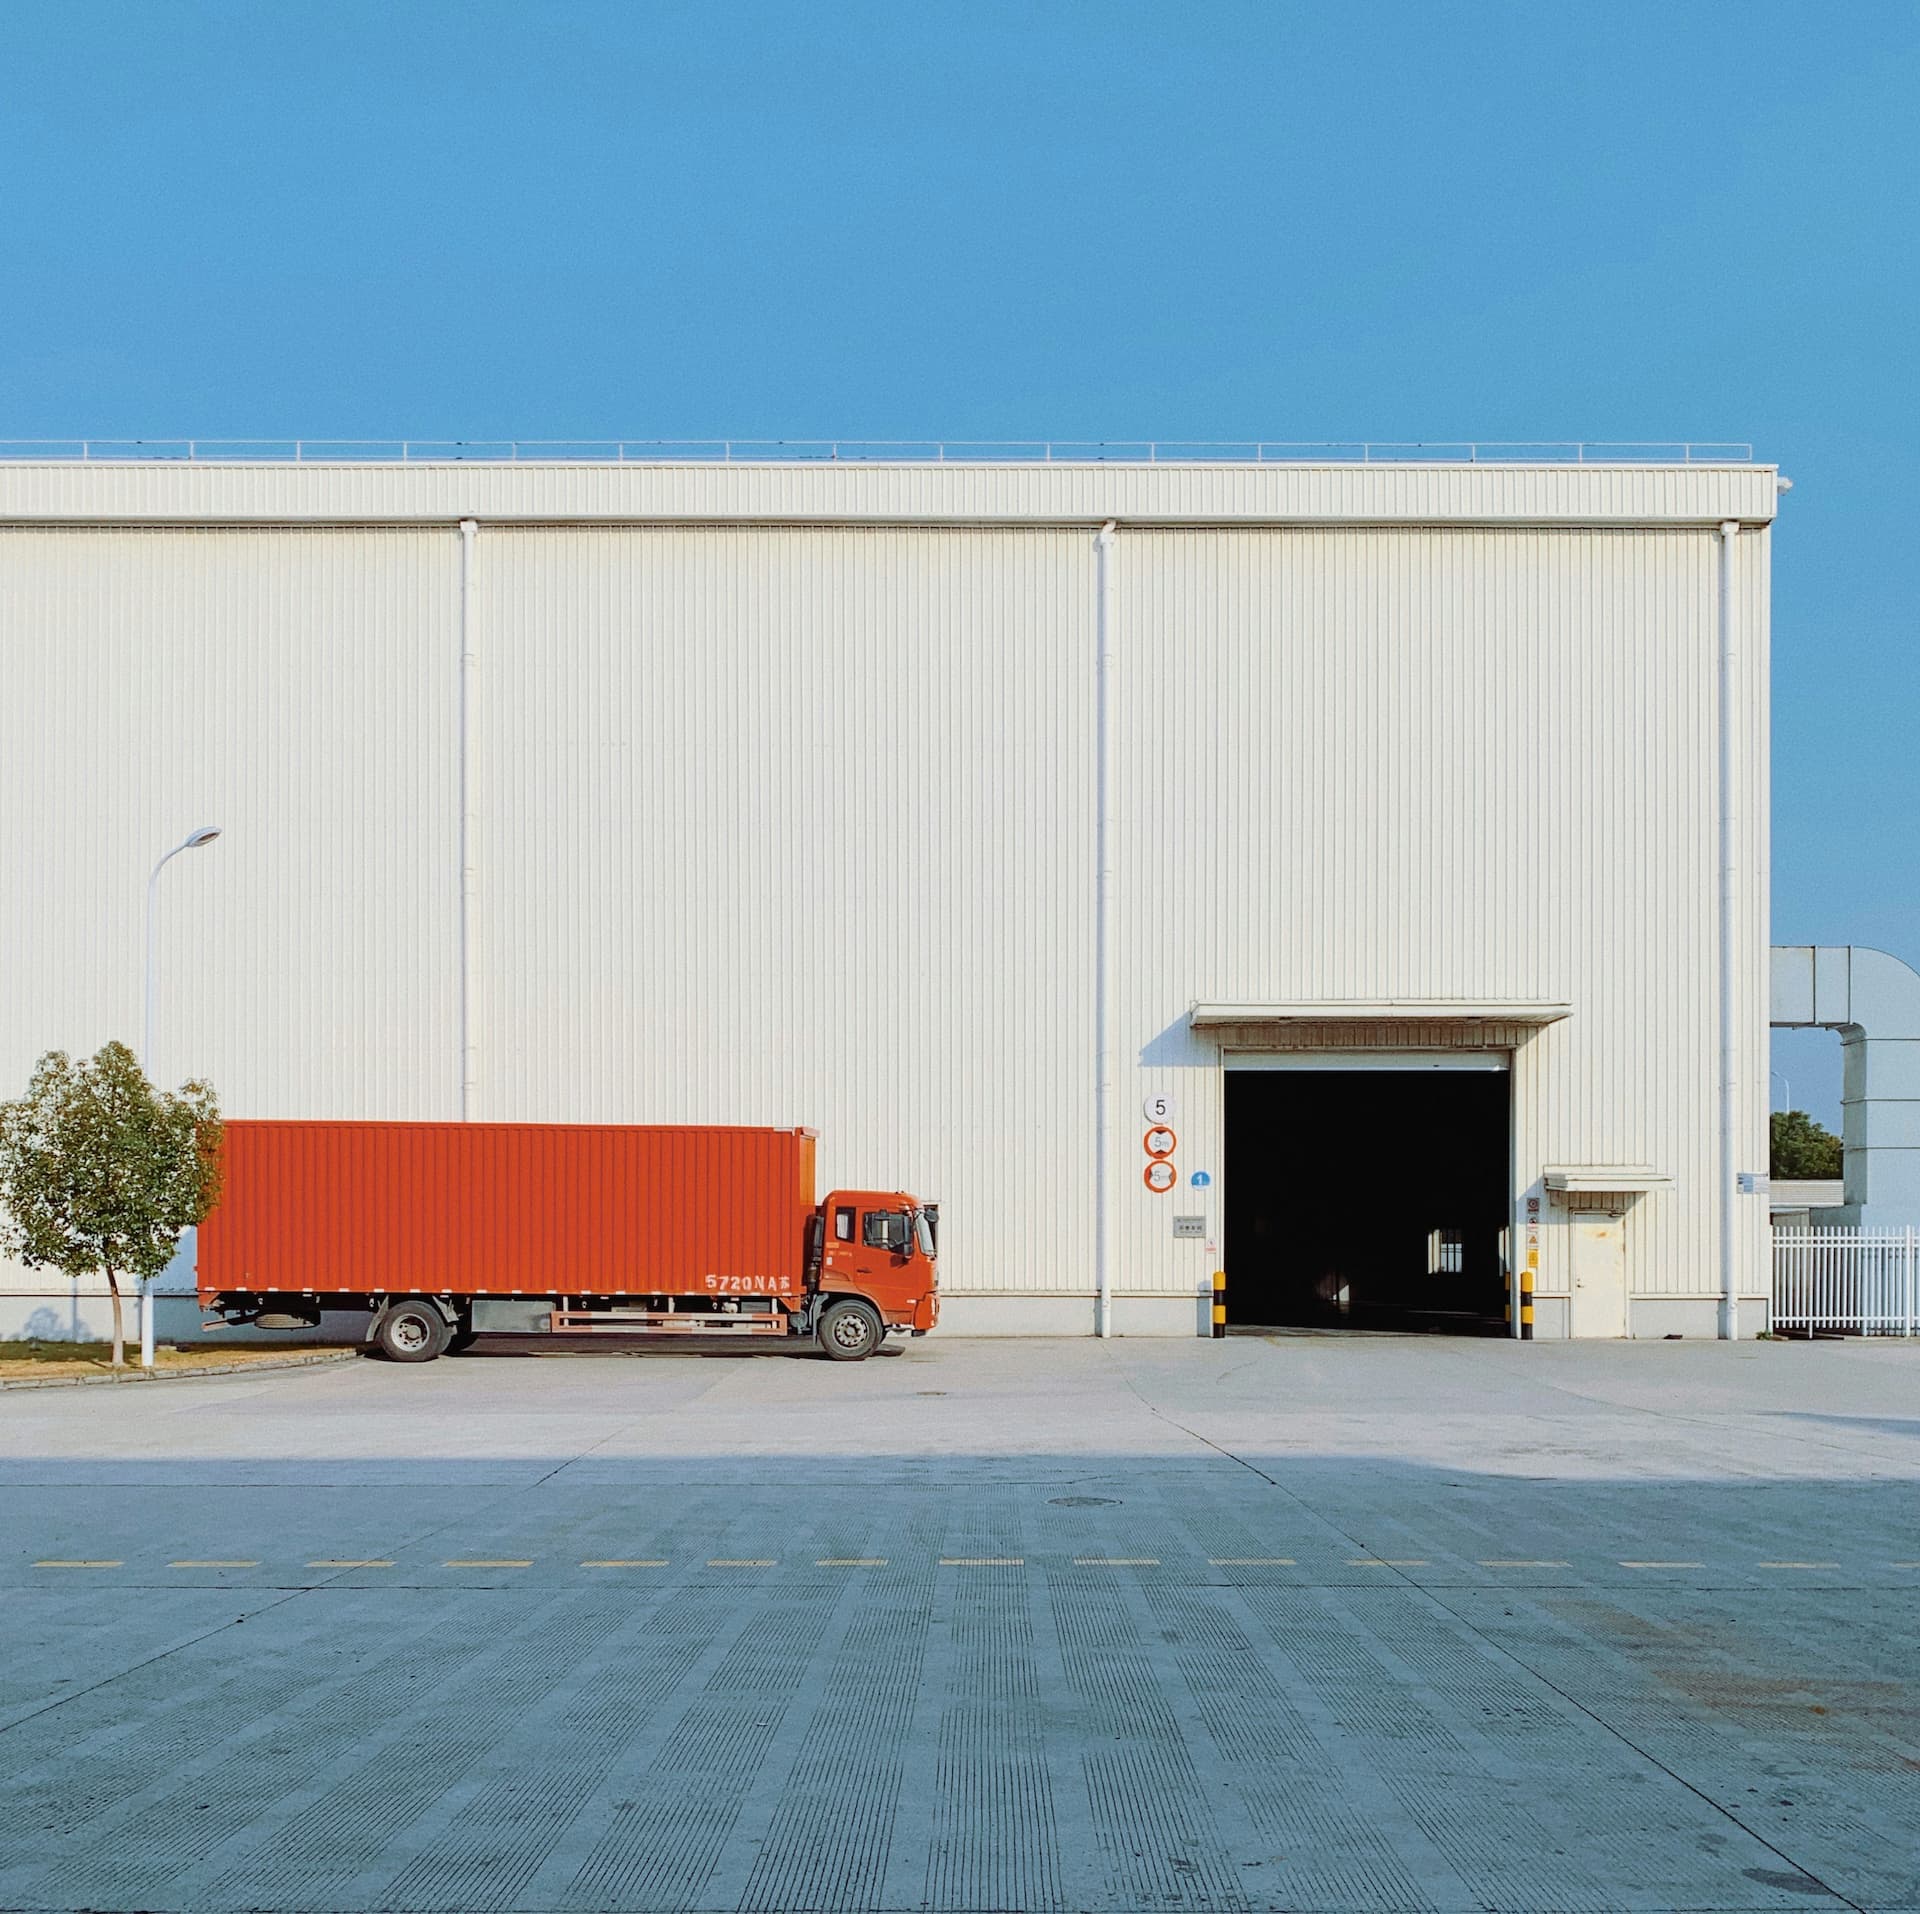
[{"x": 135, "y": 451}]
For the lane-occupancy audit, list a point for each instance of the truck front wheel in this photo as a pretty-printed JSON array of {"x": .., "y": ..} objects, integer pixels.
[
  {"x": 411, "y": 1331},
  {"x": 849, "y": 1331}
]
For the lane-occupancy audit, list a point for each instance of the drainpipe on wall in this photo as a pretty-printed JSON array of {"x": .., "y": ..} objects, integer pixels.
[
  {"x": 1729, "y": 1203},
  {"x": 468, "y": 530},
  {"x": 1104, "y": 1072}
]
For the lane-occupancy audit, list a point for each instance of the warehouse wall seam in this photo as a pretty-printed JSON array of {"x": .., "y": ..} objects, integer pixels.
[
  {"x": 1729, "y": 881},
  {"x": 1104, "y": 1067},
  {"x": 469, "y": 531}
]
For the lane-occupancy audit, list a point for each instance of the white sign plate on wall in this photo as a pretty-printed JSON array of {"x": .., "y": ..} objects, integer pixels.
[{"x": 1160, "y": 1109}]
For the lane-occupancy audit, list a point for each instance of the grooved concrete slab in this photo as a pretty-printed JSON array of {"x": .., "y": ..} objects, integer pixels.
[{"x": 1388, "y": 1623}]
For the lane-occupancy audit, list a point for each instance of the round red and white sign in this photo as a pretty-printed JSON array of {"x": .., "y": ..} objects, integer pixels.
[
  {"x": 1160, "y": 1176},
  {"x": 1160, "y": 1141}
]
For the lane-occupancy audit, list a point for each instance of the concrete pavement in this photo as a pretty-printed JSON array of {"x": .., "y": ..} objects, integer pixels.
[{"x": 1362, "y": 1622}]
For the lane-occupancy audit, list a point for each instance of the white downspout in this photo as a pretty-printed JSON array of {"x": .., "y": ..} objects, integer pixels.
[
  {"x": 1104, "y": 1071},
  {"x": 468, "y": 530},
  {"x": 1729, "y": 876}
]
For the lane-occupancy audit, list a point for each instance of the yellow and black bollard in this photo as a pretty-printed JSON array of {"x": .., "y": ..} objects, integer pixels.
[
  {"x": 1219, "y": 1303},
  {"x": 1526, "y": 1305}
]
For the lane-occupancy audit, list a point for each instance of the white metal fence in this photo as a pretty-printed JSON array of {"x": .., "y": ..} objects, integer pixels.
[{"x": 1860, "y": 1282}]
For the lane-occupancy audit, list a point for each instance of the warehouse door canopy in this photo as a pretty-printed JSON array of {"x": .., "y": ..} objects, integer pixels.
[{"x": 1368, "y": 1191}]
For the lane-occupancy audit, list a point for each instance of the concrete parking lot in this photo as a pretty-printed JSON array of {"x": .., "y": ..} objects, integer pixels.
[{"x": 1288, "y": 1622}]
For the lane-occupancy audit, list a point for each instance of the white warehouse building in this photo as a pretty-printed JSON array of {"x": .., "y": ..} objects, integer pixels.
[{"x": 1310, "y": 871}]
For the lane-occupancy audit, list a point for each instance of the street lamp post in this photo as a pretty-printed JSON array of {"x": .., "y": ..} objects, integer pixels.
[{"x": 191, "y": 842}]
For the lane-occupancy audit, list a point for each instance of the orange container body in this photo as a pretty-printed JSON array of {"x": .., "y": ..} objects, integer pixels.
[{"x": 477, "y": 1209}]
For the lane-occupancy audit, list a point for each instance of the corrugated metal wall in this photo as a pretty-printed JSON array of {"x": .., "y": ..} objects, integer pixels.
[
  {"x": 793, "y": 825},
  {"x": 296, "y": 688},
  {"x": 795, "y": 828},
  {"x": 1428, "y": 764}
]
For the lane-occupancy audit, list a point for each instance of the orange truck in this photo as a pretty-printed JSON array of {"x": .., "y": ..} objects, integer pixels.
[{"x": 449, "y": 1232}]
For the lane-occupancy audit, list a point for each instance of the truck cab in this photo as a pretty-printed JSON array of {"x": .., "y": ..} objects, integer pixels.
[{"x": 880, "y": 1246}]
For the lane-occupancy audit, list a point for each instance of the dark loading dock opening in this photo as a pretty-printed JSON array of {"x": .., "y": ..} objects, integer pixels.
[{"x": 1374, "y": 1199}]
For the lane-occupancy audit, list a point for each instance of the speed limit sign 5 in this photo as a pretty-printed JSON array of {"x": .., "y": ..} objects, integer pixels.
[{"x": 1158, "y": 1109}]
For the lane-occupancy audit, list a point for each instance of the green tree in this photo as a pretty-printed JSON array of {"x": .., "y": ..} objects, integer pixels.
[
  {"x": 1802, "y": 1147},
  {"x": 101, "y": 1171}
]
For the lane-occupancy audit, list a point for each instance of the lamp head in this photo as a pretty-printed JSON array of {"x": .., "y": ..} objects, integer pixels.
[{"x": 204, "y": 835}]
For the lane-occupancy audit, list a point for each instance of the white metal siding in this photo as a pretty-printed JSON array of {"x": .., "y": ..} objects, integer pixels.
[
  {"x": 295, "y": 688},
  {"x": 794, "y": 827},
  {"x": 1441, "y": 763},
  {"x": 792, "y": 823}
]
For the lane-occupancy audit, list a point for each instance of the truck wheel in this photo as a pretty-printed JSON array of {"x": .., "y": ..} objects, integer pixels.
[
  {"x": 412, "y": 1331},
  {"x": 849, "y": 1332}
]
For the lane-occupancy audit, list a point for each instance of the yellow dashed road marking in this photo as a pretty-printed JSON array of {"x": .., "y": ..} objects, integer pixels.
[{"x": 945, "y": 1561}]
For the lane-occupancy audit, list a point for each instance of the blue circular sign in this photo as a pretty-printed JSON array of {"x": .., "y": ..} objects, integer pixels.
[{"x": 1199, "y": 1179}]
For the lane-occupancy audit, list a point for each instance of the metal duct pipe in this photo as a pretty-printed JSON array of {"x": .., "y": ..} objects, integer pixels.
[
  {"x": 469, "y": 528},
  {"x": 1104, "y": 1070},
  {"x": 1729, "y": 879}
]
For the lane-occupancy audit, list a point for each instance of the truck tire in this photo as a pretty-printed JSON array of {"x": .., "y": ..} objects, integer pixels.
[
  {"x": 849, "y": 1331},
  {"x": 411, "y": 1331}
]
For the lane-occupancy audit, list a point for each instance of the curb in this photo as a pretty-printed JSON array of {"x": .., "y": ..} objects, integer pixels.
[{"x": 187, "y": 1375}]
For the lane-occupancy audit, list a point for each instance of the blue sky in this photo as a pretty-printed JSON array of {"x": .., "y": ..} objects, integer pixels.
[{"x": 1194, "y": 221}]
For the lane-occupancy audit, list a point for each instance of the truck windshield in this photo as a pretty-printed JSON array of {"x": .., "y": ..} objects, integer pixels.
[{"x": 926, "y": 1227}]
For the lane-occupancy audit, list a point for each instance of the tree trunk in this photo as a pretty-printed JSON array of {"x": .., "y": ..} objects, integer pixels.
[{"x": 119, "y": 1336}]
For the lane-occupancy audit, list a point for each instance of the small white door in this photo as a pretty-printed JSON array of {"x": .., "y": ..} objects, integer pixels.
[{"x": 1599, "y": 1245}]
